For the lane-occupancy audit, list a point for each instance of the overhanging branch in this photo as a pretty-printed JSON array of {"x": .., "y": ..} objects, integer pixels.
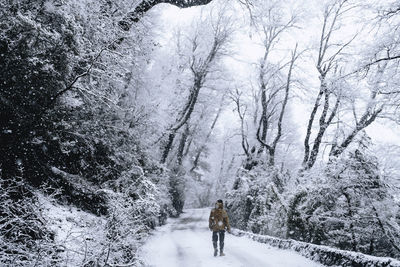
[{"x": 135, "y": 15}]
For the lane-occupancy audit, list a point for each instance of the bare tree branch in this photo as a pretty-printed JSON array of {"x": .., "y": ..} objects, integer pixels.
[{"x": 236, "y": 98}]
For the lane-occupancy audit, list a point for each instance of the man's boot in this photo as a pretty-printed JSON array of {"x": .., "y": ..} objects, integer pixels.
[
  {"x": 215, "y": 249},
  {"x": 221, "y": 250}
]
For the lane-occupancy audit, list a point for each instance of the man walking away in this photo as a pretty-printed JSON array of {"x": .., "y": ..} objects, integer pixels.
[{"x": 218, "y": 223}]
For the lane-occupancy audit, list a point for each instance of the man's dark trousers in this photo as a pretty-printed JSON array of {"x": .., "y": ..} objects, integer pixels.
[{"x": 221, "y": 235}]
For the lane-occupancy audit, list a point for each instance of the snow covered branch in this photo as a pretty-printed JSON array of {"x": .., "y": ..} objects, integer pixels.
[{"x": 145, "y": 5}]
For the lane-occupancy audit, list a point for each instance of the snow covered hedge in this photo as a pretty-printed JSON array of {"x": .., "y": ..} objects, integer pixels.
[{"x": 323, "y": 254}]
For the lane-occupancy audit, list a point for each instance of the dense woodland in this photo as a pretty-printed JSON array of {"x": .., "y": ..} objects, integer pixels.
[{"x": 131, "y": 110}]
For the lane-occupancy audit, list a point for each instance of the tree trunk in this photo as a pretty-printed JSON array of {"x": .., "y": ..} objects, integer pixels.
[
  {"x": 168, "y": 146},
  {"x": 264, "y": 120},
  {"x": 182, "y": 143},
  {"x": 323, "y": 126},
  {"x": 283, "y": 109},
  {"x": 244, "y": 142},
  {"x": 324, "y": 66},
  {"x": 309, "y": 127},
  {"x": 187, "y": 112}
]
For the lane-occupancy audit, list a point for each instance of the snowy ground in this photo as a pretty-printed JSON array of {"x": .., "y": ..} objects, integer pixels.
[
  {"x": 186, "y": 242},
  {"x": 77, "y": 233}
]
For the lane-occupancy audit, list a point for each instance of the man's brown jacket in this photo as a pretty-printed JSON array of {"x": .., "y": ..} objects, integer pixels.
[{"x": 219, "y": 220}]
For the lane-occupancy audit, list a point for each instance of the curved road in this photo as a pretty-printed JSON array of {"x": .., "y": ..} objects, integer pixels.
[{"x": 186, "y": 242}]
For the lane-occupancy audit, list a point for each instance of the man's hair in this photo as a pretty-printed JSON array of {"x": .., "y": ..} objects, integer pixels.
[{"x": 220, "y": 201}]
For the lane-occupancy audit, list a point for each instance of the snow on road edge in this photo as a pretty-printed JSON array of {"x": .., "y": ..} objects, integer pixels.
[{"x": 323, "y": 254}]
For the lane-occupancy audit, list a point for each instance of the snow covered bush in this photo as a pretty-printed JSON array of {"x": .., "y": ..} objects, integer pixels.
[
  {"x": 25, "y": 239},
  {"x": 135, "y": 205},
  {"x": 345, "y": 204},
  {"x": 176, "y": 190},
  {"x": 348, "y": 206},
  {"x": 133, "y": 213},
  {"x": 257, "y": 201}
]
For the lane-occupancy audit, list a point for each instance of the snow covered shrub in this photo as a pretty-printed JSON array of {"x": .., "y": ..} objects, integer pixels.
[
  {"x": 136, "y": 202},
  {"x": 238, "y": 202},
  {"x": 177, "y": 190},
  {"x": 24, "y": 237},
  {"x": 133, "y": 211},
  {"x": 364, "y": 206},
  {"x": 348, "y": 206},
  {"x": 135, "y": 206},
  {"x": 256, "y": 202}
]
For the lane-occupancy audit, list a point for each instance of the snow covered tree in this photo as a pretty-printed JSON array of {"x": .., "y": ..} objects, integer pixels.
[
  {"x": 69, "y": 119},
  {"x": 348, "y": 207},
  {"x": 205, "y": 47},
  {"x": 192, "y": 84}
]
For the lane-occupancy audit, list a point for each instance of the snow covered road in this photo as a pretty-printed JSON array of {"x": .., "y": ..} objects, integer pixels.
[{"x": 186, "y": 242}]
